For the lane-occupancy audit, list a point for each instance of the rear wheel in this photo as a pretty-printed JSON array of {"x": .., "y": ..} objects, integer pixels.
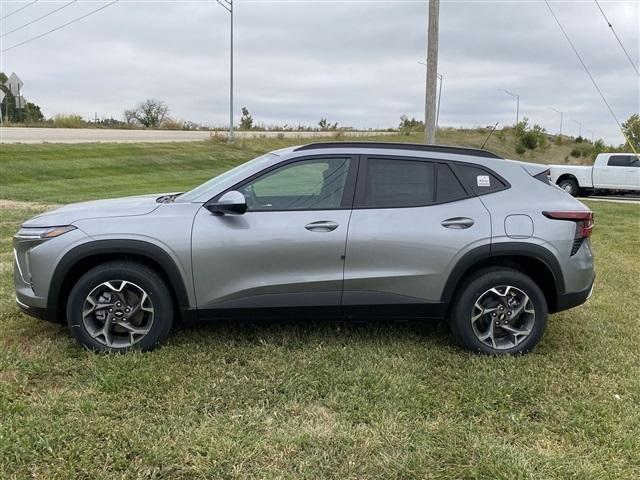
[
  {"x": 118, "y": 306},
  {"x": 499, "y": 311},
  {"x": 570, "y": 186}
]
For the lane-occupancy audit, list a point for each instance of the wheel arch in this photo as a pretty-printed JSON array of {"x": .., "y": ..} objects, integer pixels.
[
  {"x": 533, "y": 260},
  {"x": 82, "y": 258},
  {"x": 568, "y": 176}
]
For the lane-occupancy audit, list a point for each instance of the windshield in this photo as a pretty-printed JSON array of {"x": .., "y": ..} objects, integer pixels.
[{"x": 192, "y": 195}]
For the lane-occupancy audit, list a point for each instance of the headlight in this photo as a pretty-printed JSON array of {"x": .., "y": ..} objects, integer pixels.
[{"x": 34, "y": 233}]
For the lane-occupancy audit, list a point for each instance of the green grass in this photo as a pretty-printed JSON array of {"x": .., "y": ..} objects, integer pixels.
[
  {"x": 68, "y": 173},
  {"x": 313, "y": 399}
]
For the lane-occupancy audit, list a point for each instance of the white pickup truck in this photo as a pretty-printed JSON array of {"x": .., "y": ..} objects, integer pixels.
[{"x": 619, "y": 172}]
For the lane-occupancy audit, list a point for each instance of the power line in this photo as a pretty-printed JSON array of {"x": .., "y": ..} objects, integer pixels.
[
  {"x": 588, "y": 73},
  {"x": 39, "y": 18},
  {"x": 18, "y": 10},
  {"x": 618, "y": 39},
  {"x": 59, "y": 27}
]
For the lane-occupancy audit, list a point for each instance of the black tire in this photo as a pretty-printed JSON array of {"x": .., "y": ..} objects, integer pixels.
[
  {"x": 471, "y": 291},
  {"x": 570, "y": 186},
  {"x": 159, "y": 299}
]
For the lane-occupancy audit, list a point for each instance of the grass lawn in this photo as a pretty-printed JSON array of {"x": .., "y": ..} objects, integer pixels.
[{"x": 309, "y": 400}]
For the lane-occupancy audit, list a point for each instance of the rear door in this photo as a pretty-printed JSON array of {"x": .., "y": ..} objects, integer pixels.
[{"x": 412, "y": 220}]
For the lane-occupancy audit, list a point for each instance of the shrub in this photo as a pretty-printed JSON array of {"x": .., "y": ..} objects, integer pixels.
[{"x": 68, "y": 121}]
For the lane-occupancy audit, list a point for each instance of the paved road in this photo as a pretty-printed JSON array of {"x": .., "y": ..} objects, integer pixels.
[
  {"x": 615, "y": 199},
  {"x": 93, "y": 135}
]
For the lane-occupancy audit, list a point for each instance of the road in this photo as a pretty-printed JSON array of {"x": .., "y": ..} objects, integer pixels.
[
  {"x": 96, "y": 135},
  {"x": 633, "y": 199}
]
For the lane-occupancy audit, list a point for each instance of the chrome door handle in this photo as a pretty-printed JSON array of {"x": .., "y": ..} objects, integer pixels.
[
  {"x": 457, "y": 223},
  {"x": 321, "y": 226}
]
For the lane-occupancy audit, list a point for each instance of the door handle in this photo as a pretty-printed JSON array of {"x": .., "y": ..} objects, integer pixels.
[
  {"x": 457, "y": 223},
  {"x": 321, "y": 226}
]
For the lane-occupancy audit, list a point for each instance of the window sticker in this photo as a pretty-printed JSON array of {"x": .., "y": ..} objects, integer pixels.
[{"x": 483, "y": 181}]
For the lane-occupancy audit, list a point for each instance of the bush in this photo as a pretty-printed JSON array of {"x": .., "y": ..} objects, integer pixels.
[
  {"x": 68, "y": 121},
  {"x": 575, "y": 152},
  {"x": 529, "y": 138}
]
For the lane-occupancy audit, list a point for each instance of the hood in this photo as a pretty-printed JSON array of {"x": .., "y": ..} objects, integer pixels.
[{"x": 115, "y": 207}]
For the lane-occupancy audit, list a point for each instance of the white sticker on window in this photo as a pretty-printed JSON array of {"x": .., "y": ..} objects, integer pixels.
[{"x": 483, "y": 181}]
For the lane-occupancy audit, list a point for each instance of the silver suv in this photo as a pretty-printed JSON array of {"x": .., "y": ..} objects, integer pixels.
[{"x": 353, "y": 229}]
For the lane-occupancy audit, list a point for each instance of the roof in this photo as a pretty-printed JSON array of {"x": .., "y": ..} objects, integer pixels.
[{"x": 400, "y": 146}]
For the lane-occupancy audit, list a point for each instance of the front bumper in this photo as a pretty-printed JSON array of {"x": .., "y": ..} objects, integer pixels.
[
  {"x": 565, "y": 301},
  {"x": 36, "y": 312}
]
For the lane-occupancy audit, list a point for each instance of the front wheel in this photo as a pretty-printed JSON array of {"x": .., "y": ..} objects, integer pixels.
[
  {"x": 118, "y": 306},
  {"x": 499, "y": 311}
]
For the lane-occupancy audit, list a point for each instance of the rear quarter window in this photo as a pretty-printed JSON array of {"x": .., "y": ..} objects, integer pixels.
[{"x": 480, "y": 180}]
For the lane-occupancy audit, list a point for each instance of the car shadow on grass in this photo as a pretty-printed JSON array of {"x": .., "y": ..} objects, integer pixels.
[{"x": 295, "y": 330}]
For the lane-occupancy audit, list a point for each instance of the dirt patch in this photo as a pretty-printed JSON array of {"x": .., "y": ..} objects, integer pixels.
[{"x": 17, "y": 205}]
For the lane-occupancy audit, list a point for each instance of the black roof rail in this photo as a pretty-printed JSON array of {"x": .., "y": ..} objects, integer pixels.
[{"x": 477, "y": 152}]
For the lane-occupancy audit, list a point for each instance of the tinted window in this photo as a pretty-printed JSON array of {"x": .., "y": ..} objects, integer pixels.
[
  {"x": 304, "y": 185},
  {"x": 480, "y": 180},
  {"x": 448, "y": 187},
  {"x": 398, "y": 183},
  {"x": 623, "y": 161}
]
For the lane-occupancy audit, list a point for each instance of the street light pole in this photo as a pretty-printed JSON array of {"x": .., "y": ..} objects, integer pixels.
[
  {"x": 591, "y": 132},
  {"x": 228, "y": 6},
  {"x": 517, "y": 97},
  {"x": 579, "y": 127},
  {"x": 558, "y": 111}
]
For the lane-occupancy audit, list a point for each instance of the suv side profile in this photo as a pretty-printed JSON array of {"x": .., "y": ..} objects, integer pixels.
[{"x": 346, "y": 228}]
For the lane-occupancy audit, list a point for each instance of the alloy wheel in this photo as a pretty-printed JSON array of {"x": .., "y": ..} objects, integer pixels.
[
  {"x": 117, "y": 313},
  {"x": 503, "y": 317}
]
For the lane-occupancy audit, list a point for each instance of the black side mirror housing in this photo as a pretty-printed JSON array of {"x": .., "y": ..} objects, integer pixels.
[{"x": 231, "y": 203}]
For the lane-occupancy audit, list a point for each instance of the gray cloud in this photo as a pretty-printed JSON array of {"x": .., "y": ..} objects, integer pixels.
[{"x": 354, "y": 62}]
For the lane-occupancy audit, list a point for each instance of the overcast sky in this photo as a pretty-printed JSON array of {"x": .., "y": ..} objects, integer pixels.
[{"x": 353, "y": 62}]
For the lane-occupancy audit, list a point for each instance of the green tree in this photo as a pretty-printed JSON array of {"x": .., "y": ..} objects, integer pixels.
[
  {"x": 246, "y": 121},
  {"x": 631, "y": 129},
  {"x": 31, "y": 112}
]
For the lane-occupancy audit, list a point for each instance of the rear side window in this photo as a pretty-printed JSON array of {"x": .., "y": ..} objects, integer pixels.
[
  {"x": 398, "y": 183},
  {"x": 622, "y": 161},
  {"x": 481, "y": 181},
  {"x": 448, "y": 187}
]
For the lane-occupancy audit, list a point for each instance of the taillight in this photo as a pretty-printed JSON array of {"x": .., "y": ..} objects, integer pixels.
[{"x": 584, "y": 225}]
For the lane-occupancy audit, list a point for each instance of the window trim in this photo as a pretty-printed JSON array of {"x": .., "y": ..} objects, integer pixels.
[{"x": 346, "y": 202}]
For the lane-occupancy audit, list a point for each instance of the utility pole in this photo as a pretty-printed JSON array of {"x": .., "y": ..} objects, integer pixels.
[
  {"x": 558, "y": 111},
  {"x": 432, "y": 73},
  {"x": 517, "y": 97},
  {"x": 439, "y": 95},
  {"x": 228, "y": 6},
  {"x": 579, "y": 127}
]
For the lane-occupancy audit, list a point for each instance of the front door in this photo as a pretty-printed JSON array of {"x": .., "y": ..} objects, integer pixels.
[{"x": 288, "y": 249}]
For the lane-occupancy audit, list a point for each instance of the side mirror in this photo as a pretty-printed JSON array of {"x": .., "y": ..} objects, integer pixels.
[{"x": 231, "y": 203}]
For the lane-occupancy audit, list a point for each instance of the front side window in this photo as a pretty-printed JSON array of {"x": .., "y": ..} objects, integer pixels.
[
  {"x": 391, "y": 183},
  {"x": 316, "y": 184}
]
